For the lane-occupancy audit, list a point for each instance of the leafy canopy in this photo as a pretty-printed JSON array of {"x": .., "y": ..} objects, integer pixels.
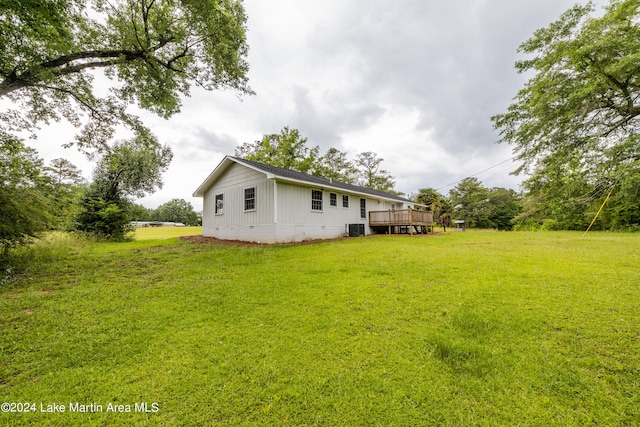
[
  {"x": 177, "y": 210},
  {"x": 152, "y": 50},
  {"x": 24, "y": 207},
  {"x": 370, "y": 173},
  {"x": 132, "y": 168},
  {"x": 289, "y": 150},
  {"x": 579, "y": 115},
  {"x": 483, "y": 207},
  {"x": 584, "y": 99}
]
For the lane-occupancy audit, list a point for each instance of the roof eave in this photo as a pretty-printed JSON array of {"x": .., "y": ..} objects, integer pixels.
[
  {"x": 222, "y": 166},
  {"x": 329, "y": 186}
]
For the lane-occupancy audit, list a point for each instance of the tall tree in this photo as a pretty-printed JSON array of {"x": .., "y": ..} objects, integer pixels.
[
  {"x": 287, "y": 150},
  {"x": 153, "y": 50},
  {"x": 470, "y": 200},
  {"x": 559, "y": 198},
  {"x": 504, "y": 207},
  {"x": 62, "y": 171},
  {"x": 370, "y": 173},
  {"x": 335, "y": 165},
  {"x": 132, "y": 168},
  {"x": 24, "y": 207},
  {"x": 67, "y": 187},
  {"x": 430, "y": 197},
  {"x": 583, "y": 100}
]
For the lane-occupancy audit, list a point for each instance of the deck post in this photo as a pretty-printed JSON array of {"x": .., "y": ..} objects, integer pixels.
[{"x": 410, "y": 221}]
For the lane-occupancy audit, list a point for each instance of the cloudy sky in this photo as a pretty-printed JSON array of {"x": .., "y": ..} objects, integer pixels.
[{"x": 415, "y": 81}]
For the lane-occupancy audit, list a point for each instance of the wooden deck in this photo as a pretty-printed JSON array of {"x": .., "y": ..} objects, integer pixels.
[{"x": 411, "y": 220}]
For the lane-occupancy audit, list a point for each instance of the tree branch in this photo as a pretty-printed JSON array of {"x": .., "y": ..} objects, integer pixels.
[
  {"x": 31, "y": 77},
  {"x": 91, "y": 108}
]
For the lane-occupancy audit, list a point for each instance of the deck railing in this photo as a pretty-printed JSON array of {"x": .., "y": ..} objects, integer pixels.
[{"x": 404, "y": 217}]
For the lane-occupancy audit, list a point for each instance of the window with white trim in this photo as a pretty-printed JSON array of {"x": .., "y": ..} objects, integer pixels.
[
  {"x": 250, "y": 199},
  {"x": 345, "y": 201},
  {"x": 363, "y": 208},
  {"x": 333, "y": 199},
  {"x": 219, "y": 204},
  {"x": 316, "y": 200}
]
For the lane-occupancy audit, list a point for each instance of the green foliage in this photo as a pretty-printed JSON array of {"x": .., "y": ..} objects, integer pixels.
[
  {"x": 131, "y": 168},
  {"x": 481, "y": 207},
  {"x": 622, "y": 211},
  {"x": 370, "y": 174},
  {"x": 67, "y": 187},
  {"x": 286, "y": 150},
  {"x": 575, "y": 124},
  {"x": 177, "y": 210},
  {"x": 505, "y": 205},
  {"x": 335, "y": 165},
  {"x": 429, "y": 197},
  {"x": 570, "y": 196},
  {"x": 289, "y": 150},
  {"x": 471, "y": 203},
  {"x": 63, "y": 172},
  {"x": 154, "y": 51},
  {"x": 140, "y": 213},
  {"x": 581, "y": 102},
  {"x": 103, "y": 219},
  {"x": 521, "y": 329},
  {"x": 24, "y": 207}
]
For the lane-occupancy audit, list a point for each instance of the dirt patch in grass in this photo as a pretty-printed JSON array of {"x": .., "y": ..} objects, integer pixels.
[{"x": 239, "y": 243}]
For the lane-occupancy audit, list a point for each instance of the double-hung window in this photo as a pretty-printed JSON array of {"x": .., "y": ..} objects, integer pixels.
[
  {"x": 363, "y": 208},
  {"x": 250, "y": 199},
  {"x": 219, "y": 204},
  {"x": 345, "y": 201},
  {"x": 316, "y": 200},
  {"x": 333, "y": 199}
]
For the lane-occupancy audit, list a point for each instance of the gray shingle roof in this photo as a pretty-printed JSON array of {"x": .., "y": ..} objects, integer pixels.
[{"x": 311, "y": 179}]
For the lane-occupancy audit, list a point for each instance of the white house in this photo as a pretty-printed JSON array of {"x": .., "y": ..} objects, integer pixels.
[{"x": 251, "y": 201}]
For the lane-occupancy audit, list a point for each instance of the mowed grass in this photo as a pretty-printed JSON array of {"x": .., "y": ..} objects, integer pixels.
[
  {"x": 474, "y": 328},
  {"x": 153, "y": 233}
]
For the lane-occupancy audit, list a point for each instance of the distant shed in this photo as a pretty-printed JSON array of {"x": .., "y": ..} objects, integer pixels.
[{"x": 141, "y": 224}]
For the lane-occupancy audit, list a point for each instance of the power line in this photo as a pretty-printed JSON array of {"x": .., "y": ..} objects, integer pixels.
[{"x": 477, "y": 173}]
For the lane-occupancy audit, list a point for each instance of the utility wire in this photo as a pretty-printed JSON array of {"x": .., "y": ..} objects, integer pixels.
[{"x": 477, "y": 173}]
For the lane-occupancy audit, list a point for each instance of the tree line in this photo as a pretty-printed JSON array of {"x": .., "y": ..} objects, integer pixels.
[
  {"x": 35, "y": 198},
  {"x": 289, "y": 150},
  {"x": 475, "y": 204}
]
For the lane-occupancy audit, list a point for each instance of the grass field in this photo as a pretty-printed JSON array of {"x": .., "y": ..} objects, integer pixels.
[
  {"x": 475, "y": 328},
  {"x": 159, "y": 233}
]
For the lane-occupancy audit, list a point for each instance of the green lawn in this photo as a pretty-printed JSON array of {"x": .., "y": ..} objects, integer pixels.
[
  {"x": 474, "y": 328},
  {"x": 156, "y": 233}
]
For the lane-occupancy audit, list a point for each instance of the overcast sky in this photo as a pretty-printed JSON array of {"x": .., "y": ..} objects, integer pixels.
[{"x": 415, "y": 81}]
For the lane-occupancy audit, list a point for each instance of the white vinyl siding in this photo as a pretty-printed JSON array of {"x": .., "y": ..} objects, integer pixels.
[
  {"x": 294, "y": 207},
  {"x": 232, "y": 184},
  {"x": 282, "y": 210}
]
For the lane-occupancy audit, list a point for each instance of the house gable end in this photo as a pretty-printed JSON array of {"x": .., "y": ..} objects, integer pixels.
[{"x": 219, "y": 172}]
